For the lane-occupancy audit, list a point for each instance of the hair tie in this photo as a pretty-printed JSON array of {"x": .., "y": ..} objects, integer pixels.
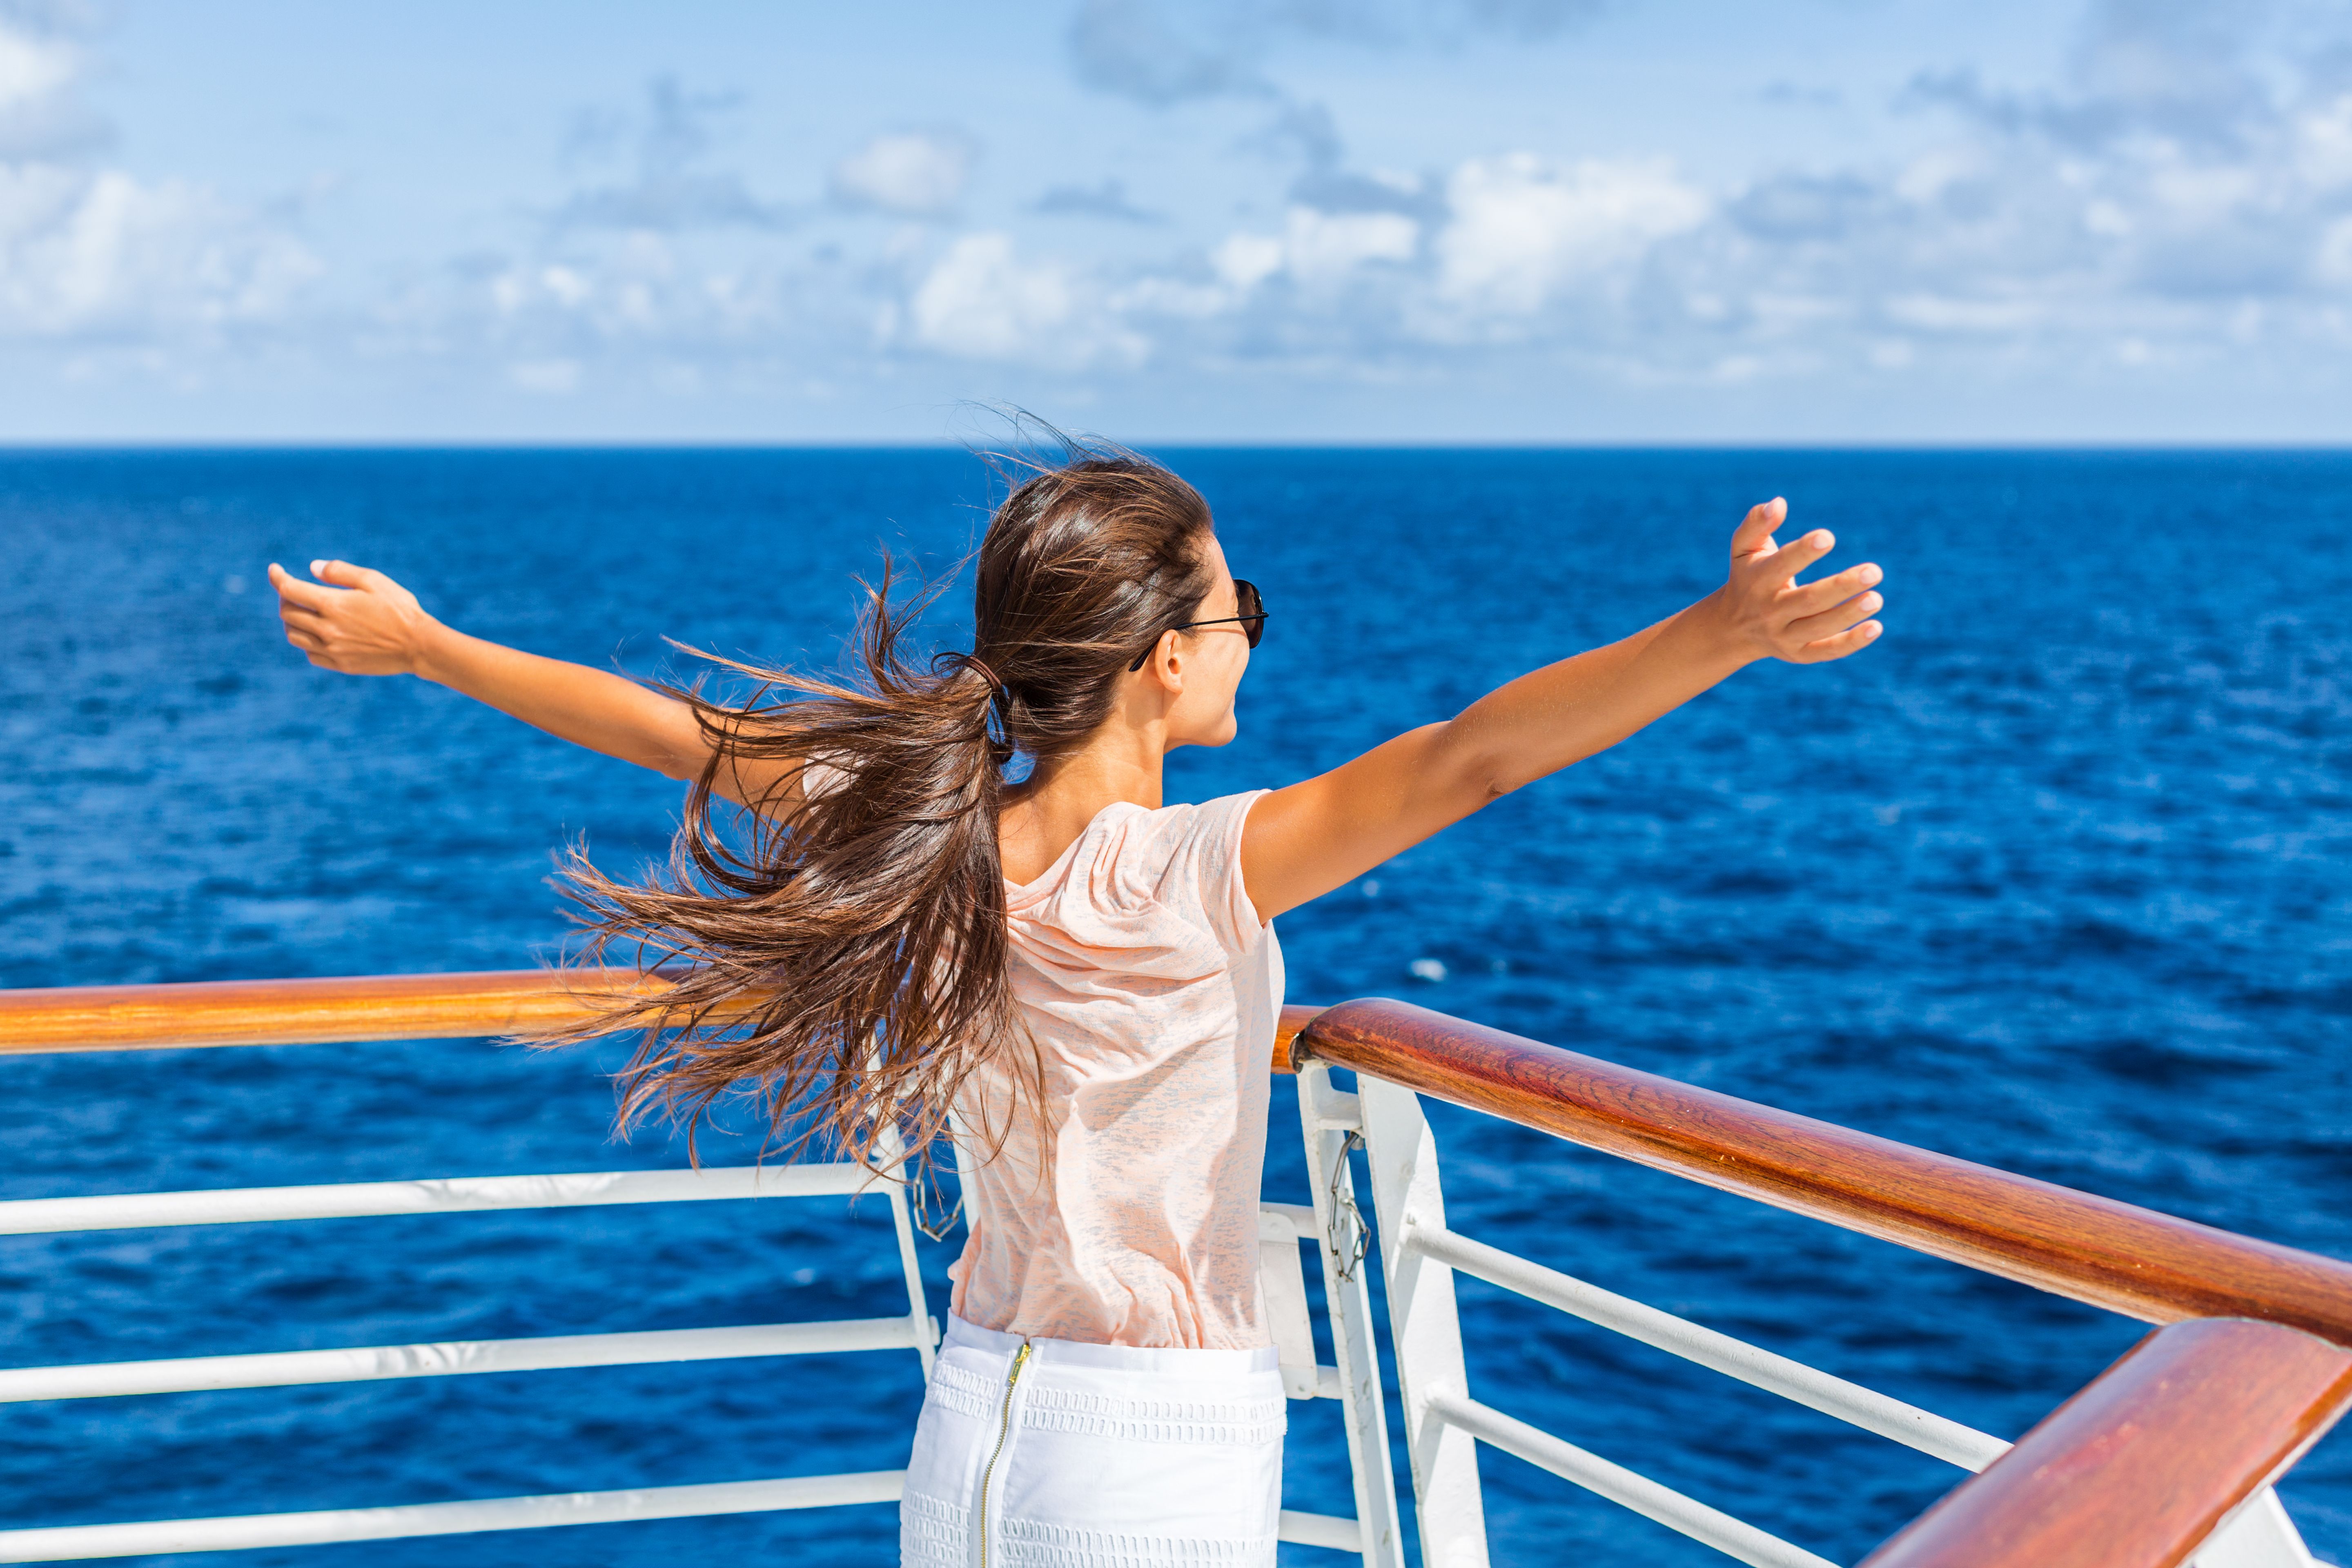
[{"x": 978, "y": 666}]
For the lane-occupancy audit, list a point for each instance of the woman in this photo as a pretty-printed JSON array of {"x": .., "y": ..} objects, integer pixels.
[{"x": 1082, "y": 980}]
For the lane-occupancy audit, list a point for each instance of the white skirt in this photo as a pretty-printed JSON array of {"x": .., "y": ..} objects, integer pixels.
[{"x": 1079, "y": 1455}]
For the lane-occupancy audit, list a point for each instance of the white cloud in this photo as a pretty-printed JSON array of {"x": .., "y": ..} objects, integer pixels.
[
  {"x": 1522, "y": 230},
  {"x": 106, "y": 254},
  {"x": 566, "y": 285},
  {"x": 1321, "y": 248},
  {"x": 33, "y": 68},
  {"x": 671, "y": 189},
  {"x": 2201, "y": 194},
  {"x": 1934, "y": 312},
  {"x": 1929, "y": 177},
  {"x": 917, "y": 174},
  {"x": 89, "y": 252},
  {"x": 1317, "y": 249},
  {"x": 2107, "y": 218},
  {"x": 1172, "y": 296},
  {"x": 35, "y": 198},
  {"x": 2333, "y": 264},
  {"x": 651, "y": 301},
  {"x": 981, "y": 300},
  {"x": 2326, "y": 150},
  {"x": 1246, "y": 260},
  {"x": 1162, "y": 53}
]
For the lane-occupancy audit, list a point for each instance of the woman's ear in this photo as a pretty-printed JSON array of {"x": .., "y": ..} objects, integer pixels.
[{"x": 1165, "y": 664}]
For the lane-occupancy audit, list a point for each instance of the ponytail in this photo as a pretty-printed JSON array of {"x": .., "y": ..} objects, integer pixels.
[{"x": 842, "y": 957}]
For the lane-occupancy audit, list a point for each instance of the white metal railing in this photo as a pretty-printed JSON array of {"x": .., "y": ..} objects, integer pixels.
[
  {"x": 367, "y": 1364},
  {"x": 361, "y": 1200},
  {"x": 1849, "y": 1402},
  {"x": 1281, "y": 1228},
  {"x": 1443, "y": 1425},
  {"x": 246, "y": 1531},
  {"x": 914, "y": 1331}
]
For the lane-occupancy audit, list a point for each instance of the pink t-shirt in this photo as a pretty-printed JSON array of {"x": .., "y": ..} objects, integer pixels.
[{"x": 1151, "y": 989}]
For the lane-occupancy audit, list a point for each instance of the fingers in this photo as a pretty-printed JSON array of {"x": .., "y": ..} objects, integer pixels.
[
  {"x": 344, "y": 574},
  {"x": 302, "y": 606},
  {"x": 1753, "y": 534},
  {"x": 1811, "y": 628},
  {"x": 292, "y": 590},
  {"x": 1793, "y": 558},
  {"x": 1851, "y": 640},
  {"x": 335, "y": 577},
  {"x": 302, "y": 615},
  {"x": 1812, "y": 598}
]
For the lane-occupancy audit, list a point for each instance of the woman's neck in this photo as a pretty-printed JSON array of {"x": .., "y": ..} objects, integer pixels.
[{"x": 1044, "y": 815}]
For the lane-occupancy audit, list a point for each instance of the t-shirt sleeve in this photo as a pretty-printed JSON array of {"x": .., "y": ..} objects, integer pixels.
[{"x": 1210, "y": 861}]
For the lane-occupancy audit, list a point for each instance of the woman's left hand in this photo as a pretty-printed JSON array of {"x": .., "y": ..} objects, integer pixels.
[
  {"x": 1302, "y": 842},
  {"x": 1775, "y": 617}
]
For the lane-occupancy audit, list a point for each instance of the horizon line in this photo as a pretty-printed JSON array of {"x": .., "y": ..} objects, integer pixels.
[{"x": 94, "y": 444}]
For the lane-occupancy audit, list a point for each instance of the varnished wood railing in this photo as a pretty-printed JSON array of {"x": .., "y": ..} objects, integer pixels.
[
  {"x": 2142, "y": 1464},
  {"x": 2130, "y": 1261},
  {"x": 336, "y": 1010},
  {"x": 298, "y": 1012},
  {"x": 2133, "y": 1472}
]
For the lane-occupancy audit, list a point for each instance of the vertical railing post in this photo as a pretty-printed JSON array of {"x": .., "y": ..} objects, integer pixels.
[
  {"x": 1423, "y": 1325},
  {"x": 891, "y": 1150},
  {"x": 1327, "y": 1120},
  {"x": 2259, "y": 1535}
]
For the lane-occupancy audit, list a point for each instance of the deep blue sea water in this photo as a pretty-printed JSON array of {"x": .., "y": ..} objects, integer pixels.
[{"x": 2057, "y": 877}]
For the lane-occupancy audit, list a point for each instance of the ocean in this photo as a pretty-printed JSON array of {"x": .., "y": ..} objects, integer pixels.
[{"x": 2057, "y": 877}]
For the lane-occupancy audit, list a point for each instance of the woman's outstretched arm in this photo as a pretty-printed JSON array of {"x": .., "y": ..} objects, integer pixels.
[
  {"x": 1303, "y": 841},
  {"x": 361, "y": 622}
]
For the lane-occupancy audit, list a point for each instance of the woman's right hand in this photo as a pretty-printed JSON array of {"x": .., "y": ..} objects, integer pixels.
[
  {"x": 1774, "y": 615},
  {"x": 352, "y": 619},
  {"x": 363, "y": 623}
]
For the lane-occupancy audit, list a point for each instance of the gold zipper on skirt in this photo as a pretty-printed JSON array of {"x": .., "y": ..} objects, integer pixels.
[{"x": 1004, "y": 1430}]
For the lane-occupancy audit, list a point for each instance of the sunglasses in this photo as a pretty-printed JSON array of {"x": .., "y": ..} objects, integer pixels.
[{"x": 1246, "y": 599}]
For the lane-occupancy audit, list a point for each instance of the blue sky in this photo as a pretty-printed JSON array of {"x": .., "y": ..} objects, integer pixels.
[{"x": 1525, "y": 220}]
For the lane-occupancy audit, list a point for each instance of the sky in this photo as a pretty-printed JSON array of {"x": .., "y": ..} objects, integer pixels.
[{"x": 1572, "y": 221}]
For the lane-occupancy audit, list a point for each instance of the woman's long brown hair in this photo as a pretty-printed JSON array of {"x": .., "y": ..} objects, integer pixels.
[{"x": 842, "y": 957}]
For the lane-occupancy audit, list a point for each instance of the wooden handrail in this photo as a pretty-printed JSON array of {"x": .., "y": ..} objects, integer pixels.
[
  {"x": 2138, "y": 1469},
  {"x": 1287, "y": 1029},
  {"x": 298, "y": 1012},
  {"x": 2130, "y": 1261},
  {"x": 336, "y": 1009}
]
